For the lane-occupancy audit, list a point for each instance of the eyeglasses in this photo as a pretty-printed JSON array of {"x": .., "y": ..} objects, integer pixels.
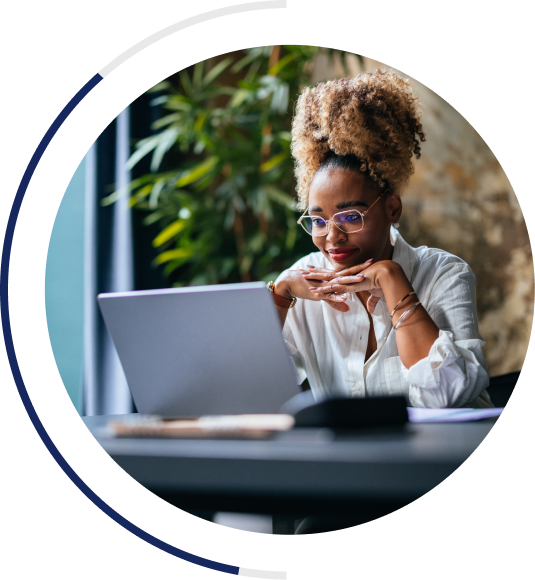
[{"x": 349, "y": 222}]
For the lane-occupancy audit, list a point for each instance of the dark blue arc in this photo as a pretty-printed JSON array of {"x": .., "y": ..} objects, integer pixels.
[{"x": 8, "y": 338}]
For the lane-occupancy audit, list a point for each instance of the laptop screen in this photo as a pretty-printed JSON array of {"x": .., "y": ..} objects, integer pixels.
[{"x": 201, "y": 350}]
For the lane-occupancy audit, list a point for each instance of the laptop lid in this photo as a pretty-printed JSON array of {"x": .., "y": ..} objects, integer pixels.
[{"x": 201, "y": 350}]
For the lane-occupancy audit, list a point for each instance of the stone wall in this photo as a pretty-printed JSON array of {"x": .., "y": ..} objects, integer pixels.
[{"x": 460, "y": 200}]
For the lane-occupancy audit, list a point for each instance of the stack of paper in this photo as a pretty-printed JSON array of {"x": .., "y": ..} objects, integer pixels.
[{"x": 418, "y": 415}]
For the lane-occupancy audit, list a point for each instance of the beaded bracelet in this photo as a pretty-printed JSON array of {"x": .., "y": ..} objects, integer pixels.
[
  {"x": 405, "y": 314},
  {"x": 397, "y": 305}
]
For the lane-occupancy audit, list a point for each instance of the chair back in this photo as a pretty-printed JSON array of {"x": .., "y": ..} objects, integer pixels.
[{"x": 501, "y": 387}]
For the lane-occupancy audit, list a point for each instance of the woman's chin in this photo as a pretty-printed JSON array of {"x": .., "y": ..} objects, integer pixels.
[{"x": 339, "y": 266}]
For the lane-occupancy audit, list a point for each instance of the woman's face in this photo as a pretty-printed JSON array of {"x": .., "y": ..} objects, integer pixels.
[{"x": 334, "y": 190}]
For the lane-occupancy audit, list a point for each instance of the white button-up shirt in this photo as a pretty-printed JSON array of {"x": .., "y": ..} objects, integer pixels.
[{"x": 328, "y": 347}]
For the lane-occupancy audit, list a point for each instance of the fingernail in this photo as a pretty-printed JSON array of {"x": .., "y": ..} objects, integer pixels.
[
  {"x": 312, "y": 287},
  {"x": 309, "y": 266},
  {"x": 369, "y": 261}
]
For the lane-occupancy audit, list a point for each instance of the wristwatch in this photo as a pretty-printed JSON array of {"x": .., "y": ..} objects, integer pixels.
[{"x": 281, "y": 300}]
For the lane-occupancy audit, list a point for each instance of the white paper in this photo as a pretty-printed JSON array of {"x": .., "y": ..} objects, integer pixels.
[{"x": 420, "y": 415}]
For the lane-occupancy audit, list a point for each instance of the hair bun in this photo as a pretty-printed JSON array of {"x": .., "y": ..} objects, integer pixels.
[{"x": 373, "y": 116}]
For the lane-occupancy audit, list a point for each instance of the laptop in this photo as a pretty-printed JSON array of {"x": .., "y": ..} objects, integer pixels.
[{"x": 201, "y": 350}]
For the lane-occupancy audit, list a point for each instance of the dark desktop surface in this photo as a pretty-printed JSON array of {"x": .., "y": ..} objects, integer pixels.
[{"x": 302, "y": 471}]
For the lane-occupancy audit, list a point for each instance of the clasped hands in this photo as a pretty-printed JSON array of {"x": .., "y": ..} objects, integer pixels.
[{"x": 332, "y": 286}]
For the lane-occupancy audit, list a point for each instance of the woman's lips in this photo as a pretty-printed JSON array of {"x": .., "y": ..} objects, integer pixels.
[{"x": 341, "y": 254}]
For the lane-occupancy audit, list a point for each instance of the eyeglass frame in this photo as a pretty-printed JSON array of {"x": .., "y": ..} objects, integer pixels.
[{"x": 299, "y": 221}]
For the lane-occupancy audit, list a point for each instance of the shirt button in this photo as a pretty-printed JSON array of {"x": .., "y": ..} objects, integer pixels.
[{"x": 359, "y": 386}]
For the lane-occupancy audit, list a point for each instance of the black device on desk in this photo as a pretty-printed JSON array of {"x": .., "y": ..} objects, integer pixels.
[{"x": 347, "y": 413}]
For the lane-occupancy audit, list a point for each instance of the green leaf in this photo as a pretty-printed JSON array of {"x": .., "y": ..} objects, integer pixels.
[
  {"x": 279, "y": 102},
  {"x": 198, "y": 69},
  {"x": 186, "y": 83},
  {"x": 141, "y": 194},
  {"x": 292, "y": 47},
  {"x": 281, "y": 64},
  {"x": 257, "y": 242},
  {"x": 178, "y": 104},
  {"x": 246, "y": 264},
  {"x": 172, "y": 265},
  {"x": 197, "y": 172},
  {"x": 155, "y": 193},
  {"x": 112, "y": 198},
  {"x": 169, "y": 233},
  {"x": 277, "y": 195},
  {"x": 167, "y": 120},
  {"x": 167, "y": 140},
  {"x": 244, "y": 62},
  {"x": 273, "y": 162},
  {"x": 248, "y": 85},
  {"x": 159, "y": 100},
  {"x": 163, "y": 86},
  {"x": 239, "y": 97},
  {"x": 144, "y": 147},
  {"x": 199, "y": 122},
  {"x": 216, "y": 71},
  {"x": 153, "y": 217},
  {"x": 172, "y": 255}
]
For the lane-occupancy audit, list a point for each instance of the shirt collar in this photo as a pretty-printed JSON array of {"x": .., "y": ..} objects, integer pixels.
[{"x": 404, "y": 254}]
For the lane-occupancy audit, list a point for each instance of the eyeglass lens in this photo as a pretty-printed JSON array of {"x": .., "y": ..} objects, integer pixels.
[{"x": 349, "y": 222}]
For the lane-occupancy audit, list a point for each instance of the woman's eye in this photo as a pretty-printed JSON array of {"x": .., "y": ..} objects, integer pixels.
[
  {"x": 352, "y": 217},
  {"x": 318, "y": 222}
]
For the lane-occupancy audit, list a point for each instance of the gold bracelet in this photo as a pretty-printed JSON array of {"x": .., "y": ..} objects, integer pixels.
[
  {"x": 397, "y": 305},
  {"x": 405, "y": 314},
  {"x": 281, "y": 300}
]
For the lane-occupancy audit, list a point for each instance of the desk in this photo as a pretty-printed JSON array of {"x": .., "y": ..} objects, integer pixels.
[{"x": 302, "y": 472}]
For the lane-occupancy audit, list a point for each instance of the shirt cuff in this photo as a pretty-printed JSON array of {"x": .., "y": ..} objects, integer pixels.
[{"x": 426, "y": 372}]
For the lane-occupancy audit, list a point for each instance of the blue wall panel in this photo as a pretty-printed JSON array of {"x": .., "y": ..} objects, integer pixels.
[{"x": 65, "y": 286}]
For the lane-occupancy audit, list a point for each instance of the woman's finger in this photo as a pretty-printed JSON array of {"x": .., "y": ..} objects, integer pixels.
[
  {"x": 372, "y": 303},
  {"x": 312, "y": 269},
  {"x": 335, "y": 289},
  {"x": 318, "y": 276},
  {"x": 348, "y": 279},
  {"x": 340, "y": 306},
  {"x": 318, "y": 282},
  {"x": 355, "y": 269},
  {"x": 338, "y": 288}
]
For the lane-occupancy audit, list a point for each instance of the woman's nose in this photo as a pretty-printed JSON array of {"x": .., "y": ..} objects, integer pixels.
[{"x": 334, "y": 234}]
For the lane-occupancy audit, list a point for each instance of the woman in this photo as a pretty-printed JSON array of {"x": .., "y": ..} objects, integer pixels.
[{"x": 372, "y": 315}]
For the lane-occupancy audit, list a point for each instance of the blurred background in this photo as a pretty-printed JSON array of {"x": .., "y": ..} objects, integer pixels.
[{"x": 193, "y": 184}]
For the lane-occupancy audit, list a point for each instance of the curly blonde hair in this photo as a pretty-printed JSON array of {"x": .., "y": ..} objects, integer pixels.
[{"x": 373, "y": 118}]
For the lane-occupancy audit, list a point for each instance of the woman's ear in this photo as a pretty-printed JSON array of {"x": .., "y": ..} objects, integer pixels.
[{"x": 394, "y": 207}]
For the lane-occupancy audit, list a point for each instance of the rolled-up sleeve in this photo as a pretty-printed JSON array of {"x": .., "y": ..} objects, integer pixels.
[{"x": 454, "y": 374}]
